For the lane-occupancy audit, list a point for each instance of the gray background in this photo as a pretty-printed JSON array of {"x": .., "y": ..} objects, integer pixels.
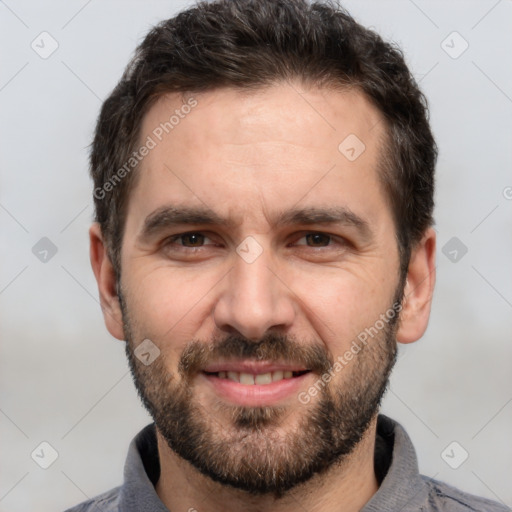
[{"x": 64, "y": 380}]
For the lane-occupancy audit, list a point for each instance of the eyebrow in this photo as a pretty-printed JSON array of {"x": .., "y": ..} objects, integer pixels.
[
  {"x": 170, "y": 216},
  {"x": 332, "y": 215}
]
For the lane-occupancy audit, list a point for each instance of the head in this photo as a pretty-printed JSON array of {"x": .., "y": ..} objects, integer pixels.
[{"x": 264, "y": 176}]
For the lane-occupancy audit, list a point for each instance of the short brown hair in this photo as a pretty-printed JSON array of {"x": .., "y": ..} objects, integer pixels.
[{"x": 249, "y": 44}]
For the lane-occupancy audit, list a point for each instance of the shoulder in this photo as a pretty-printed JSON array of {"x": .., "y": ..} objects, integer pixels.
[
  {"x": 106, "y": 502},
  {"x": 445, "y": 498}
]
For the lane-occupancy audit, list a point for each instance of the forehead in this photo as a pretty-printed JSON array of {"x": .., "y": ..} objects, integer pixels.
[
  {"x": 241, "y": 152},
  {"x": 284, "y": 113}
]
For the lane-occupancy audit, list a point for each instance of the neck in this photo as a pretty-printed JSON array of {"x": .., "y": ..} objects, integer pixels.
[{"x": 344, "y": 487}]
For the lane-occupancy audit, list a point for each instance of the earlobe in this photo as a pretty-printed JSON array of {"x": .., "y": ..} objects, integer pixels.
[
  {"x": 106, "y": 280},
  {"x": 419, "y": 289}
]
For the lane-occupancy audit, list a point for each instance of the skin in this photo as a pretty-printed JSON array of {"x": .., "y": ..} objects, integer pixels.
[{"x": 249, "y": 157}]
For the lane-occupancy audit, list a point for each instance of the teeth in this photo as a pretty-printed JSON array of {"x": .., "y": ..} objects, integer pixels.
[
  {"x": 246, "y": 378},
  {"x": 264, "y": 378},
  {"x": 249, "y": 379},
  {"x": 278, "y": 375}
]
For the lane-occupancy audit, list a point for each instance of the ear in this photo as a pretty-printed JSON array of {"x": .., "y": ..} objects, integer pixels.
[
  {"x": 106, "y": 279},
  {"x": 419, "y": 289}
]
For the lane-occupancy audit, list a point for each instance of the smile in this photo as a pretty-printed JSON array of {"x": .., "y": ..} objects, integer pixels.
[
  {"x": 254, "y": 383},
  {"x": 249, "y": 379}
]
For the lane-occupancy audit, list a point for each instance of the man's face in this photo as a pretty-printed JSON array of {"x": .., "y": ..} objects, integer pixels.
[{"x": 255, "y": 252}]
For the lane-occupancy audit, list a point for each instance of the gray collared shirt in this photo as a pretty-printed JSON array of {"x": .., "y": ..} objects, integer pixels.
[{"x": 402, "y": 488}]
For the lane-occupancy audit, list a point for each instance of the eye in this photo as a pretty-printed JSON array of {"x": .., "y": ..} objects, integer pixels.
[
  {"x": 191, "y": 240},
  {"x": 315, "y": 240}
]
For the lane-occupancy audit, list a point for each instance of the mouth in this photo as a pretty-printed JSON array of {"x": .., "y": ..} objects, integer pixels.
[
  {"x": 260, "y": 379},
  {"x": 254, "y": 383}
]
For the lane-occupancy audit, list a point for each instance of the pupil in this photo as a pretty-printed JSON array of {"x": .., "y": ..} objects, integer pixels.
[
  {"x": 318, "y": 239},
  {"x": 193, "y": 239}
]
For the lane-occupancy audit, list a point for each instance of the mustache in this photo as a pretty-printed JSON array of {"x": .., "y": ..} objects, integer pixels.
[{"x": 272, "y": 347}]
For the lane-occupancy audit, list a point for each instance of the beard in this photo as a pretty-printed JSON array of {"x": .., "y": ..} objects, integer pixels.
[{"x": 255, "y": 449}]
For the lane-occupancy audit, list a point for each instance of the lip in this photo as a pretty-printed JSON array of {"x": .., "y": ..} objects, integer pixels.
[
  {"x": 254, "y": 367},
  {"x": 254, "y": 395}
]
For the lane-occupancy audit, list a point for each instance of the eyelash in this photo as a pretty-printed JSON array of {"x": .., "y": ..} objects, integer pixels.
[{"x": 332, "y": 239}]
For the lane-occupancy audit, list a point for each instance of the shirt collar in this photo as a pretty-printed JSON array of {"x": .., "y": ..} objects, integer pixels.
[
  {"x": 403, "y": 485},
  {"x": 141, "y": 472}
]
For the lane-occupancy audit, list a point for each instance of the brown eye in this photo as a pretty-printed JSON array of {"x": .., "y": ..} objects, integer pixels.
[
  {"x": 317, "y": 239},
  {"x": 192, "y": 239}
]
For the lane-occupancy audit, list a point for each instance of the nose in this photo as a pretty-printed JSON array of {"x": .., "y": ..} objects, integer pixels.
[{"x": 254, "y": 300}]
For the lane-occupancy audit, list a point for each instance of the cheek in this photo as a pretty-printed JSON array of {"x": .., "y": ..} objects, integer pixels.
[
  {"x": 342, "y": 304},
  {"x": 168, "y": 304}
]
